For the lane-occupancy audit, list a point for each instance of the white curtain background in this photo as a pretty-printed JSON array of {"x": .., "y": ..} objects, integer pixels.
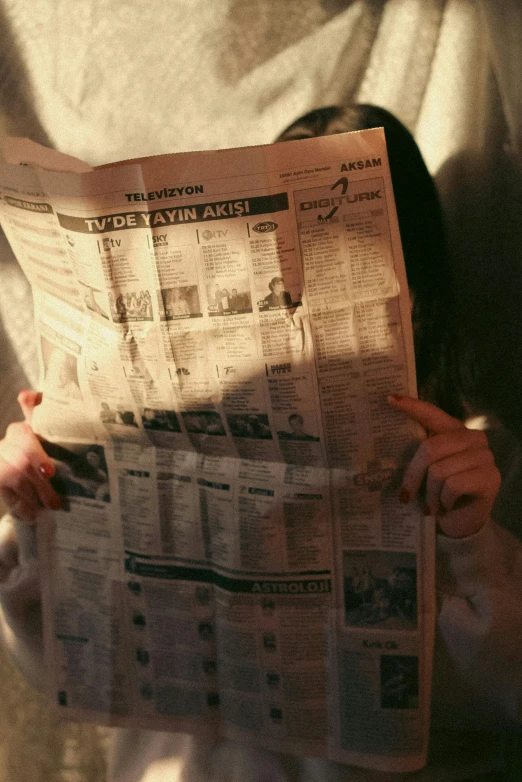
[{"x": 106, "y": 80}]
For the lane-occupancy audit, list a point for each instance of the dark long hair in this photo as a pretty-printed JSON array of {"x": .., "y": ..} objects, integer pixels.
[{"x": 439, "y": 376}]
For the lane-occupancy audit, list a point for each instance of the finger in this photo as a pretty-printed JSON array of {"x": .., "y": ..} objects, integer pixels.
[
  {"x": 465, "y": 521},
  {"x": 28, "y": 400},
  {"x": 481, "y": 483},
  {"x": 438, "y": 448},
  {"x": 20, "y": 439},
  {"x": 23, "y": 451},
  {"x": 24, "y": 511},
  {"x": 432, "y": 418},
  {"x": 18, "y": 493},
  {"x": 441, "y": 471},
  {"x": 40, "y": 483}
]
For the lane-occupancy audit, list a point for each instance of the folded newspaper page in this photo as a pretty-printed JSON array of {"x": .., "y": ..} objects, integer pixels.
[{"x": 217, "y": 334}]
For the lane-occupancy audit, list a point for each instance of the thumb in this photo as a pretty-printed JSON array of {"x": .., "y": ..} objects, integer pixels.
[{"x": 28, "y": 400}]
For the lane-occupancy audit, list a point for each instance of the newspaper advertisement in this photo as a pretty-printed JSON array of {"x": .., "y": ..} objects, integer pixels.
[{"x": 217, "y": 335}]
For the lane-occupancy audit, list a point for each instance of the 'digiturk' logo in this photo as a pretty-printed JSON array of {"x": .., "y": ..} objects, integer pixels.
[{"x": 266, "y": 227}]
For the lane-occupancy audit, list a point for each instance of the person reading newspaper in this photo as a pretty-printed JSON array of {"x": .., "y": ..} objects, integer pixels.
[{"x": 478, "y": 661}]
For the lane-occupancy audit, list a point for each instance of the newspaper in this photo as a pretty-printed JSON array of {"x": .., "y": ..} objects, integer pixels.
[{"x": 217, "y": 334}]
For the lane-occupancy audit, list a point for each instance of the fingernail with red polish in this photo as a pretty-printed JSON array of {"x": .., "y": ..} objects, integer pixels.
[
  {"x": 404, "y": 496},
  {"x": 38, "y": 398},
  {"x": 47, "y": 469},
  {"x": 396, "y": 397}
]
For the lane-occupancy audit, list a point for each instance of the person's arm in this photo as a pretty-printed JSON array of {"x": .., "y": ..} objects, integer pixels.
[
  {"x": 480, "y": 617},
  {"x": 25, "y": 470},
  {"x": 20, "y": 599},
  {"x": 479, "y": 572}
]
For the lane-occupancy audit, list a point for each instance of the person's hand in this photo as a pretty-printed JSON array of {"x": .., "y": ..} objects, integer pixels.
[
  {"x": 25, "y": 468},
  {"x": 457, "y": 467}
]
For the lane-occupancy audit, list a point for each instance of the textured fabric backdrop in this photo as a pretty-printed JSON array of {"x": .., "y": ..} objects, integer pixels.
[{"x": 106, "y": 80}]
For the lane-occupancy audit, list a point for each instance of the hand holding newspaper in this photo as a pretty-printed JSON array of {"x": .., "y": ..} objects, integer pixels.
[{"x": 218, "y": 332}]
